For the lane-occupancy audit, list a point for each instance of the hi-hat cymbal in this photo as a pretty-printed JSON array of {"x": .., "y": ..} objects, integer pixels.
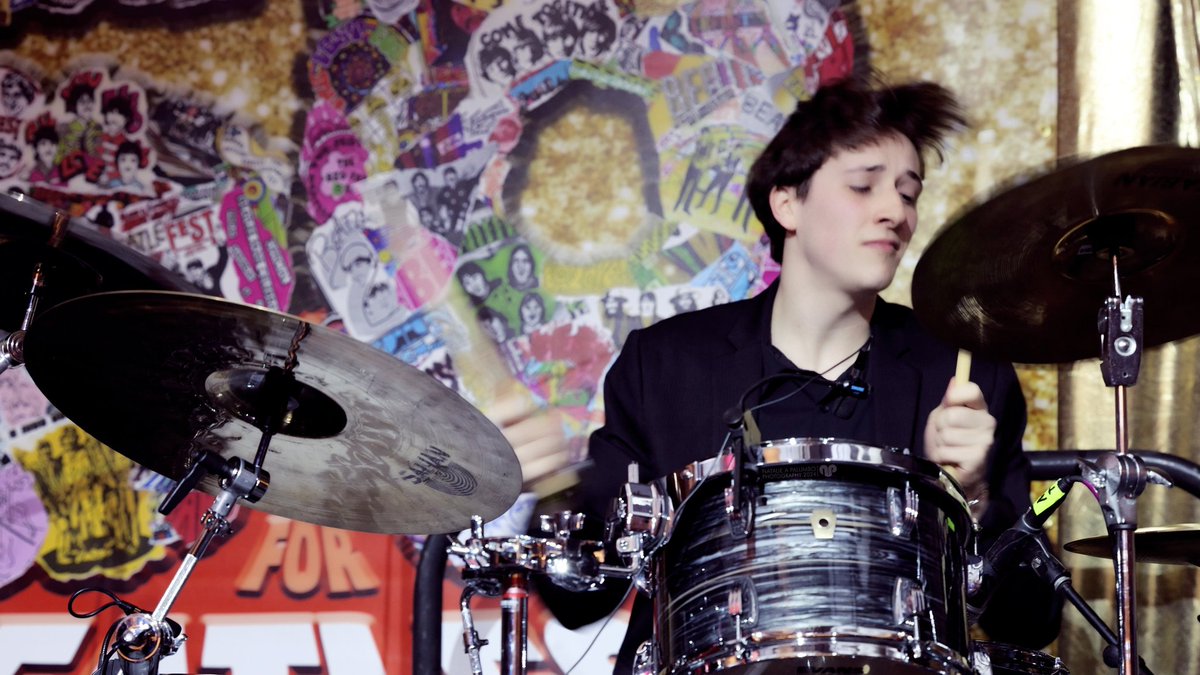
[
  {"x": 368, "y": 442},
  {"x": 1171, "y": 545},
  {"x": 1023, "y": 276},
  {"x": 87, "y": 261}
]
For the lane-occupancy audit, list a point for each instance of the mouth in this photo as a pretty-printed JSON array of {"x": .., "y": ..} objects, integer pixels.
[{"x": 889, "y": 245}]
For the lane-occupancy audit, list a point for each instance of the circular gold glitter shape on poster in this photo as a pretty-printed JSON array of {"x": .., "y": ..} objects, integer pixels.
[{"x": 579, "y": 190}]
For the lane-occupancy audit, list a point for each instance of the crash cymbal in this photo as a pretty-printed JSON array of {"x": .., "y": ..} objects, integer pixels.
[
  {"x": 87, "y": 261},
  {"x": 1171, "y": 545},
  {"x": 1023, "y": 276},
  {"x": 368, "y": 442}
]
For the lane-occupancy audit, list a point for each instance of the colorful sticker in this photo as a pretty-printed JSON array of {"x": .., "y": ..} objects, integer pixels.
[
  {"x": 517, "y": 40},
  {"x": 503, "y": 285},
  {"x": 801, "y": 25},
  {"x": 98, "y": 524},
  {"x": 742, "y": 30},
  {"x": 23, "y": 521},
  {"x": 733, "y": 274},
  {"x": 249, "y": 149},
  {"x": 441, "y": 144},
  {"x": 446, "y": 29},
  {"x": 566, "y": 362},
  {"x": 260, "y": 265},
  {"x": 349, "y": 60},
  {"x": 101, "y": 136},
  {"x": 382, "y": 117},
  {"x": 23, "y": 408},
  {"x": 390, "y": 11},
  {"x": 704, "y": 182},
  {"x": 347, "y": 267},
  {"x": 331, "y": 161}
]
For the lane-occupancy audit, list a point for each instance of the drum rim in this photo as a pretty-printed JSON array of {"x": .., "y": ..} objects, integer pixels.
[
  {"x": 681, "y": 484},
  {"x": 1017, "y": 655},
  {"x": 833, "y": 643}
]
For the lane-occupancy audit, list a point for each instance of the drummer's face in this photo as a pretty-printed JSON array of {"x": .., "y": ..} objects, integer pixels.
[{"x": 857, "y": 219}]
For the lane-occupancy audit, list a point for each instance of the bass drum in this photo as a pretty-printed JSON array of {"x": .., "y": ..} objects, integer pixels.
[
  {"x": 994, "y": 658},
  {"x": 855, "y": 563}
]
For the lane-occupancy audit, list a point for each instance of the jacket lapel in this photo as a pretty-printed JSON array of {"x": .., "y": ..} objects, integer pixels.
[
  {"x": 896, "y": 383},
  {"x": 744, "y": 364}
]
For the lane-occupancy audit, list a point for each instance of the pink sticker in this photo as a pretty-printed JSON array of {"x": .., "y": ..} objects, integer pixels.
[
  {"x": 424, "y": 269},
  {"x": 331, "y": 161},
  {"x": 21, "y": 402},
  {"x": 262, "y": 266},
  {"x": 23, "y": 522}
]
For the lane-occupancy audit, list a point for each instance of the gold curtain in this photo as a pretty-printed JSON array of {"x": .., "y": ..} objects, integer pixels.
[{"x": 1128, "y": 77}]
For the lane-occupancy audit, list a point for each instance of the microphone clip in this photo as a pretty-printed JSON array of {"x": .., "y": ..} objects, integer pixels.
[
  {"x": 740, "y": 495},
  {"x": 850, "y": 388}
]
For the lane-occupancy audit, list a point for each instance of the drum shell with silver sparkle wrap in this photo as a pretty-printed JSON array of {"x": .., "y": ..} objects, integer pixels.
[
  {"x": 995, "y": 658},
  {"x": 855, "y": 562}
]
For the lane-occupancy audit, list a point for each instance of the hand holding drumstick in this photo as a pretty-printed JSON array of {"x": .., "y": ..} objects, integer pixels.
[
  {"x": 959, "y": 433},
  {"x": 537, "y": 435}
]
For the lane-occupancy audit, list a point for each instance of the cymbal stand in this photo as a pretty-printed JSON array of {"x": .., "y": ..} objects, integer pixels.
[
  {"x": 12, "y": 346},
  {"x": 483, "y": 577},
  {"x": 142, "y": 640},
  {"x": 1119, "y": 478},
  {"x": 501, "y": 567},
  {"x": 1049, "y": 567},
  {"x": 514, "y": 621}
]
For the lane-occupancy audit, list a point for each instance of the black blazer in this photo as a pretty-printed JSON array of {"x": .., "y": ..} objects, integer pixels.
[{"x": 666, "y": 395}]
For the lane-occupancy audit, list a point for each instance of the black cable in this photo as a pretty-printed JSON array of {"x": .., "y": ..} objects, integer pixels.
[
  {"x": 427, "y": 606},
  {"x": 794, "y": 375},
  {"x": 105, "y": 652},
  {"x": 116, "y": 602}
]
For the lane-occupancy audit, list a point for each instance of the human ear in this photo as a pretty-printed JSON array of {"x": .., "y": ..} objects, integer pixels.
[{"x": 785, "y": 205}]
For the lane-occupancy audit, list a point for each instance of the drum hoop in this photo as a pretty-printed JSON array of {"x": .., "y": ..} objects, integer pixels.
[
  {"x": 1020, "y": 656},
  {"x": 858, "y": 643},
  {"x": 681, "y": 484}
]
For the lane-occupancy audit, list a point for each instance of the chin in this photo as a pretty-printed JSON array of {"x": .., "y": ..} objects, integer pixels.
[{"x": 879, "y": 276}]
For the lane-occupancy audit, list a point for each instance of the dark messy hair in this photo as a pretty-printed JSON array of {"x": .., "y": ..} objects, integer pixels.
[{"x": 848, "y": 115}]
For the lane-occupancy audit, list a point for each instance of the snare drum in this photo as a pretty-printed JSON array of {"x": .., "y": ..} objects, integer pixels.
[
  {"x": 854, "y": 563},
  {"x": 993, "y": 658}
]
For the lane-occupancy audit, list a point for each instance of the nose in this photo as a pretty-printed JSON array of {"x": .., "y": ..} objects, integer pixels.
[{"x": 893, "y": 210}]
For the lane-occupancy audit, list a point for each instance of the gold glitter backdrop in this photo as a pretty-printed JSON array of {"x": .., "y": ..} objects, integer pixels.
[{"x": 1034, "y": 75}]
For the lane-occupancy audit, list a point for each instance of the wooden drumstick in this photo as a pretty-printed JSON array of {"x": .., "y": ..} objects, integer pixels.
[{"x": 962, "y": 370}]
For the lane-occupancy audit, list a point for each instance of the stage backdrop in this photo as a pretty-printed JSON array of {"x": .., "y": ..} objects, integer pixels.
[{"x": 494, "y": 192}]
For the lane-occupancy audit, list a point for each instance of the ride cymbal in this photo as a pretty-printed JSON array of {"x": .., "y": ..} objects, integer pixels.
[
  {"x": 1170, "y": 545},
  {"x": 364, "y": 442},
  {"x": 88, "y": 260},
  {"x": 1023, "y": 276}
]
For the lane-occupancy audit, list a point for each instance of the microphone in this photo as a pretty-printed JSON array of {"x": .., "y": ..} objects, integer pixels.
[
  {"x": 1011, "y": 546},
  {"x": 851, "y": 387},
  {"x": 732, "y": 418}
]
